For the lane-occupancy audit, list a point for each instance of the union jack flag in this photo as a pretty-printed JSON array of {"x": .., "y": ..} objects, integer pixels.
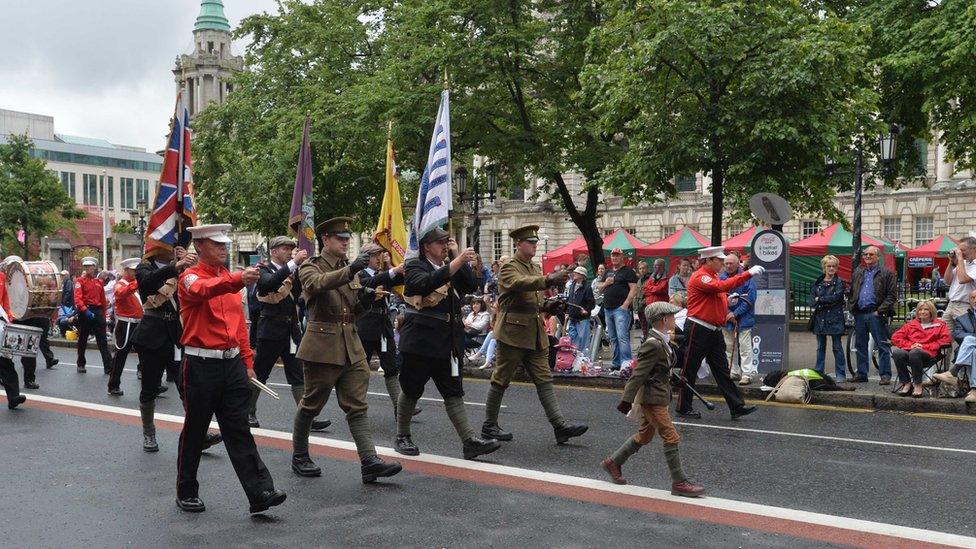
[{"x": 175, "y": 208}]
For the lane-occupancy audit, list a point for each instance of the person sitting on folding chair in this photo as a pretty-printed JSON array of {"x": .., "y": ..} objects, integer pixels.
[{"x": 917, "y": 345}]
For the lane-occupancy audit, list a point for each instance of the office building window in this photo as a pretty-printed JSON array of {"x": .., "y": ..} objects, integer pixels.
[
  {"x": 110, "y": 185},
  {"x": 127, "y": 194},
  {"x": 496, "y": 244},
  {"x": 68, "y": 182},
  {"x": 142, "y": 192},
  {"x": 90, "y": 192},
  {"x": 685, "y": 183},
  {"x": 924, "y": 229},
  {"x": 891, "y": 228},
  {"x": 809, "y": 228}
]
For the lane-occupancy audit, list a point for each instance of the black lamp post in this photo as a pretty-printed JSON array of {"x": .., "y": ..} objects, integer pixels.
[
  {"x": 140, "y": 214},
  {"x": 461, "y": 175},
  {"x": 887, "y": 144}
]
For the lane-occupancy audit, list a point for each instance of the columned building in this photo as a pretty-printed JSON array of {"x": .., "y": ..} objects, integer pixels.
[
  {"x": 941, "y": 202},
  {"x": 206, "y": 74}
]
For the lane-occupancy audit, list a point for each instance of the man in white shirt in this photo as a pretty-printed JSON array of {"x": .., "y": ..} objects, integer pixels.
[{"x": 961, "y": 278}]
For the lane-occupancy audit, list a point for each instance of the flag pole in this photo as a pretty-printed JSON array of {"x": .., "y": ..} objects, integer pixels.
[
  {"x": 450, "y": 213},
  {"x": 180, "y": 173}
]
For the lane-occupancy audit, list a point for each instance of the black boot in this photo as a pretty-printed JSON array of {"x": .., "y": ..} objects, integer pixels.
[
  {"x": 493, "y": 431},
  {"x": 373, "y": 467},
  {"x": 13, "y": 402},
  {"x": 268, "y": 499},
  {"x": 191, "y": 505},
  {"x": 303, "y": 466},
  {"x": 212, "y": 439},
  {"x": 567, "y": 431},
  {"x": 474, "y": 447},
  {"x": 404, "y": 445},
  {"x": 321, "y": 425}
]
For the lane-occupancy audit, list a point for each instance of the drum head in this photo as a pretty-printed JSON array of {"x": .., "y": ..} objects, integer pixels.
[{"x": 17, "y": 289}]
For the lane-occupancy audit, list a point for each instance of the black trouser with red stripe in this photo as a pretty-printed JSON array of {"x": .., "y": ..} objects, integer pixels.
[
  {"x": 154, "y": 362},
  {"x": 122, "y": 337},
  {"x": 96, "y": 326},
  {"x": 8, "y": 378},
  {"x": 705, "y": 343},
  {"x": 218, "y": 387}
]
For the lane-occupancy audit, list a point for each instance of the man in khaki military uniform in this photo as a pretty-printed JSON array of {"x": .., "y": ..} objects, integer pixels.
[
  {"x": 331, "y": 351},
  {"x": 522, "y": 338}
]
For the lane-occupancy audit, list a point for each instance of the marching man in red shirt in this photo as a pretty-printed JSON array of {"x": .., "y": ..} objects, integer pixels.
[
  {"x": 128, "y": 314},
  {"x": 8, "y": 373},
  {"x": 217, "y": 365},
  {"x": 90, "y": 304},
  {"x": 708, "y": 311}
]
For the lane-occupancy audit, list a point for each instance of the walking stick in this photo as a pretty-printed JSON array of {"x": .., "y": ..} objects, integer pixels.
[{"x": 679, "y": 382}]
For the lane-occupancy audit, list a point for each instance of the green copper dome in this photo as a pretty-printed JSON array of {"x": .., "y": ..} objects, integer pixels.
[{"x": 212, "y": 16}]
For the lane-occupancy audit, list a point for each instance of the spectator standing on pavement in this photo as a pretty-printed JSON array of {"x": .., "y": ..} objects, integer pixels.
[
  {"x": 619, "y": 289},
  {"x": 964, "y": 334},
  {"x": 654, "y": 288},
  {"x": 708, "y": 310},
  {"x": 874, "y": 292},
  {"x": 915, "y": 345},
  {"x": 597, "y": 286},
  {"x": 67, "y": 289},
  {"x": 737, "y": 332},
  {"x": 679, "y": 282},
  {"x": 938, "y": 284},
  {"x": 961, "y": 279},
  {"x": 581, "y": 302},
  {"x": 827, "y": 300}
]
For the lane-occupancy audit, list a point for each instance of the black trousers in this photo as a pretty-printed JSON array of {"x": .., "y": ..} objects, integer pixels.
[
  {"x": 154, "y": 362},
  {"x": 388, "y": 359},
  {"x": 911, "y": 365},
  {"x": 30, "y": 363},
  {"x": 96, "y": 327},
  {"x": 122, "y": 345},
  {"x": 8, "y": 378},
  {"x": 218, "y": 387},
  {"x": 418, "y": 370},
  {"x": 268, "y": 352},
  {"x": 707, "y": 344}
]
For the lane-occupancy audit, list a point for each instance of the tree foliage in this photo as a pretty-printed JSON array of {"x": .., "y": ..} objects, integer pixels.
[
  {"x": 750, "y": 93},
  {"x": 33, "y": 199}
]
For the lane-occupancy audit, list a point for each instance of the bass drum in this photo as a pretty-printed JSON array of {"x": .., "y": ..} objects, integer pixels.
[{"x": 34, "y": 287}]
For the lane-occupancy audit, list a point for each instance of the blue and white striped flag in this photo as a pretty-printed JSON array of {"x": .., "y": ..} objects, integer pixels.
[{"x": 434, "y": 201}]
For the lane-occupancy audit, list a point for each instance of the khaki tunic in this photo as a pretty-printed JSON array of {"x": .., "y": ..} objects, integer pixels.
[
  {"x": 650, "y": 383},
  {"x": 518, "y": 328},
  {"x": 330, "y": 291}
]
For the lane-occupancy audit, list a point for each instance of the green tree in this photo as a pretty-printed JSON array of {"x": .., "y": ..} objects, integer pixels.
[
  {"x": 751, "y": 93},
  {"x": 33, "y": 199}
]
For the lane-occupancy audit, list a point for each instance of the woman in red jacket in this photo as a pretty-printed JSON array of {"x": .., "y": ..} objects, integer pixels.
[{"x": 915, "y": 345}]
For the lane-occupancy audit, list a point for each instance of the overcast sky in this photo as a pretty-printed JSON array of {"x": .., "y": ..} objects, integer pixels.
[{"x": 101, "y": 68}]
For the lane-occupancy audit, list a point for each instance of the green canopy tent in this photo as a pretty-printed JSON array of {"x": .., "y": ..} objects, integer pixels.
[
  {"x": 806, "y": 254},
  {"x": 931, "y": 255},
  {"x": 620, "y": 238},
  {"x": 684, "y": 243}
]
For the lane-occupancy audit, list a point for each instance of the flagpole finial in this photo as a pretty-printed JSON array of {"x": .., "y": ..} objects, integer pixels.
[{"x": 447, "y": 82}]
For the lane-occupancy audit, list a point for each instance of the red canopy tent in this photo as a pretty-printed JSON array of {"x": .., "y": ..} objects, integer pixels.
[
  {"x": 684, "y": 243},
  {"x": 806, "y": 254},
  {"x": 933, "y": 254},
  {"x": 742, "y": 242},
  {"x": 565, "y": 254},
  {"x": 620, "y": 238}
]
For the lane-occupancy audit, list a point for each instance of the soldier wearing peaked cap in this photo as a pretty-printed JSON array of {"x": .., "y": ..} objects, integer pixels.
[
  {"x": 432, "y": 338},
  {"x": 90, "y": 303},
  {"x": 279, "y": 329},
  {"x": 331, "y": 352},
  {"x": 128, "y": 314},
  {"x": 216, "y": 370},
  {"x": 522, "y": 338}
]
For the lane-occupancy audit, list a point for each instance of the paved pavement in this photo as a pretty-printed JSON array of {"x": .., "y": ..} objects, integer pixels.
[{"x": 80, "y": 477}]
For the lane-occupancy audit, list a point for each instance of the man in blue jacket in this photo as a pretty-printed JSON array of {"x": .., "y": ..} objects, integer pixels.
[{"x": 739, "y": 323}]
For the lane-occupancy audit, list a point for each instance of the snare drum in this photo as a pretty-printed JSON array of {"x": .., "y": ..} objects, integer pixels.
[
  {"x": 34, "y": 287},
  {"x": 19, "y": 340}
]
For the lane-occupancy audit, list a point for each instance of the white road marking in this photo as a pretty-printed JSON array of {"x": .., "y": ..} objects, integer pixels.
[
  {"x": 388, "y": 396},
  {"x": 783, "y": 513},
  {"x": 824, "y": 437}
]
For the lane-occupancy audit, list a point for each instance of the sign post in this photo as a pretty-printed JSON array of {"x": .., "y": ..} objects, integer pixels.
[{"x": 771, "y": 334}]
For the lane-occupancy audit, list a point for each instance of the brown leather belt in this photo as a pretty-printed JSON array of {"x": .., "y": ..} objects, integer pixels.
[
  {"x": 522, "y": 310},
  {"x": 339, "y": 319}
]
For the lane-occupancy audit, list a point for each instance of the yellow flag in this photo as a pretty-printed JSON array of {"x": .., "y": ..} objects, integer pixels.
[{"x": 391, "y": 233}]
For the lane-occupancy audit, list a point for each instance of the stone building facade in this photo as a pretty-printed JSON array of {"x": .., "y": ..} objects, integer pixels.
[{"x": 207, "y": 72}]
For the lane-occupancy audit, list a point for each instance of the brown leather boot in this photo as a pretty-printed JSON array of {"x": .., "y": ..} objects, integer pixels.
[
  {"x": 687, "y": 489},
  {"x": 611, "y": 467}
]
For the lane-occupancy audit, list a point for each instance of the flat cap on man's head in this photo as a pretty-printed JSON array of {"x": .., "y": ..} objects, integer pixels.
[
  {"x": 372, "y": 248},
  {"x": 434, "y": 235},
  {"x": 281, "y": 241},
  {"x": 658, "y": 310},
  {"x": 529, "y": 233},
  {"x": 337, "y": 226},
  {"x": 216, "y": 233}
]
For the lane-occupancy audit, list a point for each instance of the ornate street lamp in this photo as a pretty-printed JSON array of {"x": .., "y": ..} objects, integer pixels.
[{"x": 475, "y": 197}]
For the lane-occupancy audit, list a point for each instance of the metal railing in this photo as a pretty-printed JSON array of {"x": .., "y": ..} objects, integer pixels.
[{"x": 908, "y": 298}]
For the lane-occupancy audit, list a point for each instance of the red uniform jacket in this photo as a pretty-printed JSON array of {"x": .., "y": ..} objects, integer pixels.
[
  {"x": 931, "y": 338},
  {"x": 655, "y": 291},
  {"x": 212, "y": 311},
  {"x": 89, "y": 292},
  {"x": 707, "y": 300},
  {"x": 4, "y": 297},
  {"x": 126, "y": 302}
]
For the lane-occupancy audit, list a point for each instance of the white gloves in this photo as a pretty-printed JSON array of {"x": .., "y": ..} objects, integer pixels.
[{"x": 757, "y": 270}]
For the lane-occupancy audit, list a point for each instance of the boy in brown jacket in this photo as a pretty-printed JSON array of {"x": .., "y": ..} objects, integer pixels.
[{"x": 650, "y": 385}]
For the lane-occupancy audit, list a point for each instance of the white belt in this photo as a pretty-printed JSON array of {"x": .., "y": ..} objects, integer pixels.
[
  {"x": 127, "y": 319},
  {"x": 212, "y": 353},
  {"x": 703, "y": 323}
]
